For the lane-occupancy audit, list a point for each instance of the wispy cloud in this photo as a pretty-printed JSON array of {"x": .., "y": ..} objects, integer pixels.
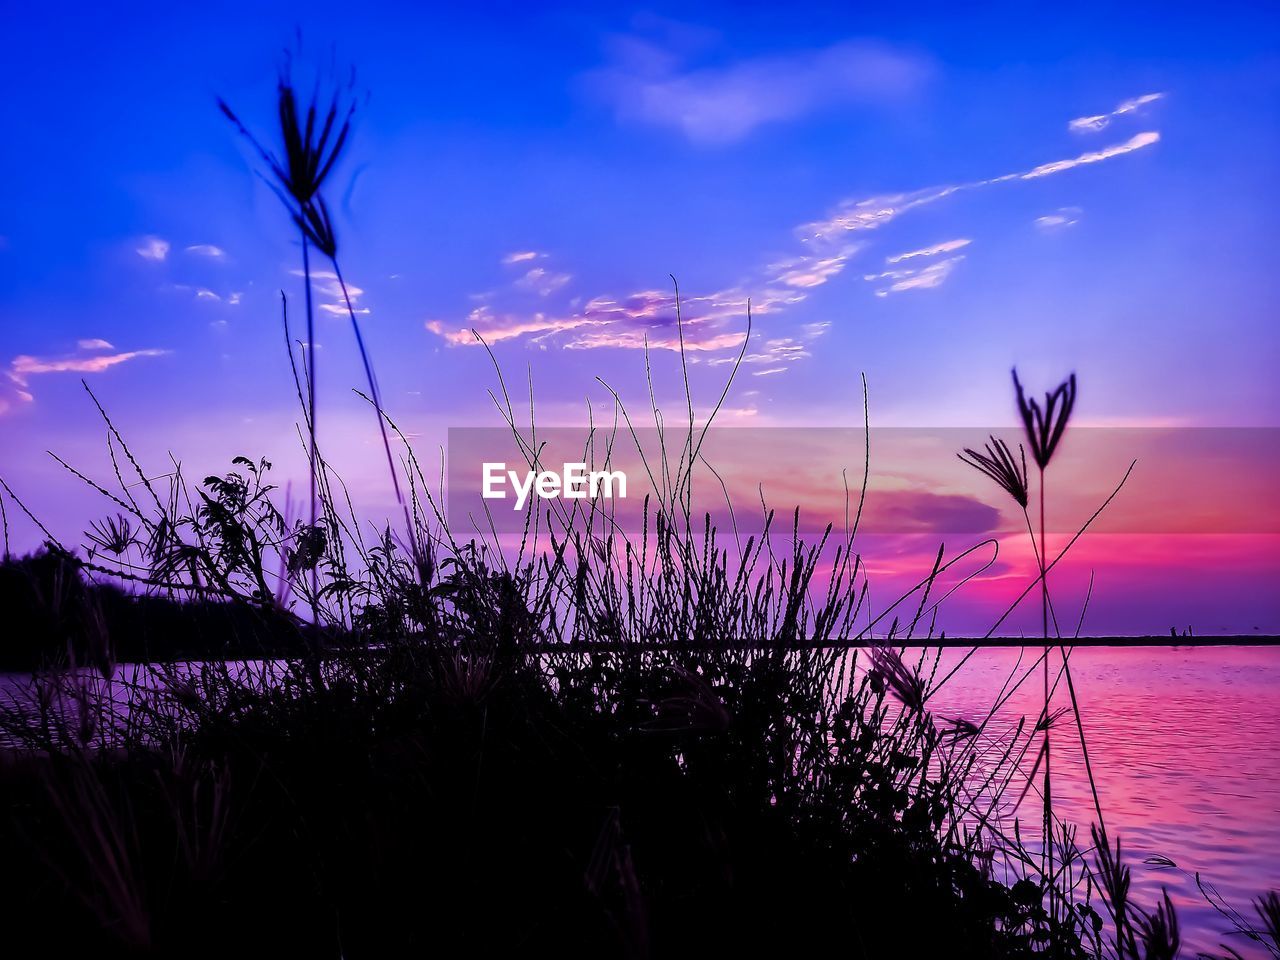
[
  {"x": 777, "y": 353},
  {"x": 1060, "y": 219},
  {"x": 906, "y": 278},
  {"x": 626, "y": 322},
  {"x": 646, "y": 82},
  {"x": 153, "y": 248},
  {"x": 24, "y": 366},
  {"x": 947, "y": 246},
  {"x": 1136, "y": 142},
  {"x": 635, "y": 339},
  {"x": 520, "y": 256},
  {"x": 542, "y": 282},
  {"x": 714, "y": 322},
  {"x": 1103, "y": 120},
  {"x": 326, "y": 285},
  {"x": 495, "y": 327},
  {"x": 13, "y": 393},
  {"x": 203, "y": 293},
  {"x": 207, "y": 250},
  {"x": 871, "y": 213},
  {"x": 16, "y": 381},
  {"x": 807, "y": 272}
]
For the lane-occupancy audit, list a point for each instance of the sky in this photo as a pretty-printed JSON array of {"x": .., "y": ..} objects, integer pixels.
[{"x": 927, "y": 196}]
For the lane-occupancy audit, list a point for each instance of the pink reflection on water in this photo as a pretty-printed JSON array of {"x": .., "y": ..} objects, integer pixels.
[{"x": 1183, "y": 743}]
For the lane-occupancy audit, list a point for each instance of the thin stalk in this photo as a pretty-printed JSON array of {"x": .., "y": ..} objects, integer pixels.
[
  {"x": 1044, "y": 617},
  {"x": 374, "y": 393},
  {"x": 311, "y": 372},
  {"x": 314, "y": 455}
]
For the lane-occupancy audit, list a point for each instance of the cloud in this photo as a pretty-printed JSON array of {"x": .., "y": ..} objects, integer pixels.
[
  {"x": 925, "y": 278},
  {"x": 153, "y": 248},
  {"x": 543, "y": 282},
  {"x": 634, "y": 339},
  {"x": 1136, "y": 142},
  {"x": 16, "y": 380},
  {"x": 777, "y": 352},
  {"x": 649, "y": 318},
  {"x": 495, "y": 327},
  {"x": 520, "y": 256},
  {"x": 645, "y": 82},
  {"x": 711, "y": 322},
  {"x": 326, "y": 284},
  {"x": 207, "y": 250},
  {"x": 923, "y": 511},
  {"x": 203, "y": 293},
  {"x": 945, "y": 247},
  {"x": 807, "y": 272},
  {"x": 625, "y": 322},
  {"x": 871, "y": 213},
  {"x": 13, "y": 393},
  {"x": 1062, "y": 218},
  {"x": 1102, "y": 121},
  {"x": 23, "y": 366}
]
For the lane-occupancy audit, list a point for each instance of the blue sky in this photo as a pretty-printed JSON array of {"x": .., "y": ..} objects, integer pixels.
[{"x": 901, "y": 192}]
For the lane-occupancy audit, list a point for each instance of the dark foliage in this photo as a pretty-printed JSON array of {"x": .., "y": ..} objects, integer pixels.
[{"x": 54, "y": 617}]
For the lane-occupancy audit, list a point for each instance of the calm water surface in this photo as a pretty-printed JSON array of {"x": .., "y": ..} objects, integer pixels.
[{"x": 1185, "y": 747}]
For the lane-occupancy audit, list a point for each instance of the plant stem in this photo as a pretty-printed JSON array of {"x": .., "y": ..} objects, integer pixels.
[
  {"x": 1044, "y": 617},
  {"x": 311, "y": 368},
  {"x": 314, "y": 457},
  {"x": 373, "y": 385}
]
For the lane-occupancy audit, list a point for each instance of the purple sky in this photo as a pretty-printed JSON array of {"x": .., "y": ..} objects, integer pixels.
[{"x": 927, "y": 198}]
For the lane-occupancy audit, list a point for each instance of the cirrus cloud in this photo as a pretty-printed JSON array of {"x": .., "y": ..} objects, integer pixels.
[
  {"x": 153, "y": 248},
  {"x": 946, "y": 246},
  {"x": 15, "y": 385},
  {"x": 1060, "y": 219},
  {"x": 647, "y": 83},
  {"x": 1103, "y": 120},
  {"x": 648, "y": 318},
  {"x": 207, "y": 250},
  {"x": 24, "y": 365}
]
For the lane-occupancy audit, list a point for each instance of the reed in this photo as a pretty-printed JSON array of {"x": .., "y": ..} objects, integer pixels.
[
  {"x": 311, "y": 141},
  {"x": 596, "y": 742},
  {"x": 1045, "y": 427}
]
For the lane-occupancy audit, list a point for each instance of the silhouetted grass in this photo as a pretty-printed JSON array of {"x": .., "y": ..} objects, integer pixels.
[
  {"x": 586, "y": 744},
  {"x": 596, "y": 743}
]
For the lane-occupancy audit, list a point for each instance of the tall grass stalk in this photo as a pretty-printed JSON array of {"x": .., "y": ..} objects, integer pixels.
[
  {"x": 310, "y": 147},
  {"x": 698, "y": 761},
  {"x": 1044, "y": 427}
]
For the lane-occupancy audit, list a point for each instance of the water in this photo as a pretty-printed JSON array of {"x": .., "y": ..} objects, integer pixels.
[{"x": 1185, "y": 748}]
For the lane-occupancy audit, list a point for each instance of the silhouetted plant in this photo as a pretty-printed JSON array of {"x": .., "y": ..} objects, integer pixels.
[
  {"x": 599, "y": 746},
  {"x": 308, "y": 158},
  {"x": 113, "y": 535},
  {"x": 1045, "y": 426},
  {"x": 999, "y": 464},
  {"x": 310, "y": 146}
]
